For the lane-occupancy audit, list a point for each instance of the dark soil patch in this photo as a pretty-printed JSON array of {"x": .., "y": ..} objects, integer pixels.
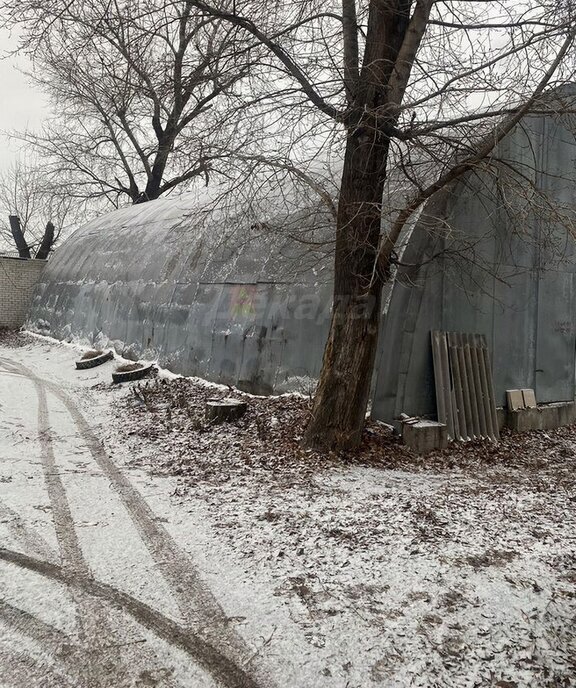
[
  {"x": 14, "y": 338},
  {"x": 492, "y": 557},
  {"x": 129, "y": 367}
]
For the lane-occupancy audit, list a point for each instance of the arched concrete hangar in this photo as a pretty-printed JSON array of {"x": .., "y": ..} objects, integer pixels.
[{"x": 251, "y": 308}]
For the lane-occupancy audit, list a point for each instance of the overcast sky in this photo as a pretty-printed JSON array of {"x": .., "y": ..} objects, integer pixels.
[{"x": 21, "y": 106}]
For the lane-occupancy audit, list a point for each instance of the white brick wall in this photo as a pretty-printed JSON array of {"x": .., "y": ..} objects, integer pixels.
[{"x": 17, "y": 280}]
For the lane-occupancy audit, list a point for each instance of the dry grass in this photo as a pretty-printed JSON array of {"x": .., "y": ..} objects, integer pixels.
[
  {"x": 129, "y": 367},
  {"x": 92, "y": 354}
]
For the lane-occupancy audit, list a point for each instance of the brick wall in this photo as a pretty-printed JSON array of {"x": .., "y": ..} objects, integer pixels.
[{"x": 17, "y": 280}]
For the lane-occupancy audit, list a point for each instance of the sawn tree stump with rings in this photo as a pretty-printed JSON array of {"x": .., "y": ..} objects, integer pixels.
[{"x": 224, "y": 410}]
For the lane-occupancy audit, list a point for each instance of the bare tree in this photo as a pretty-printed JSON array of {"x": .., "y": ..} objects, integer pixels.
[
  {"x": 417, "y": 88},
  {"x": 34, "y": 216},
  {"x": 141, "y": 92}
]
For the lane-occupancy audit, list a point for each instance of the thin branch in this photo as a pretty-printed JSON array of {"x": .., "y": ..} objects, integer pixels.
[
  {"x": 291, "y": 66},
  {"x": 389, "y": 241}
]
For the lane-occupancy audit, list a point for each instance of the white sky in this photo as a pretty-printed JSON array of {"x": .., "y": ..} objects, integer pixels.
[{"x": 21, "y": 106}]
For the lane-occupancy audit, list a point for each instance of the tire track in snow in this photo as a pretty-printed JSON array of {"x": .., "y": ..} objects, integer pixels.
[
  {"x": 206, "y": 655},
  {"x": 17, "y": 670},
  {"x": 197, "y": 604},
  {"x": 68, "y": 542},
  {"x": 33, "y": 627},
  {"x": 92, "y": 618},
  {"x": 55, "y": 642},
  {"x": 30, "y": 539}
]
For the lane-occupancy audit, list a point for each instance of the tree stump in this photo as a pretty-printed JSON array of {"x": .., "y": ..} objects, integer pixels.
[{"x": 225, "y": 410}]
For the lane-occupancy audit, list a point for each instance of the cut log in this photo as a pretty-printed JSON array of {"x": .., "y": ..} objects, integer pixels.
[{"x": 225, "y": 410}]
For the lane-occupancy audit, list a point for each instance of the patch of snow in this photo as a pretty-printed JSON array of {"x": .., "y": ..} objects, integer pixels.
[{"x": 455, "y": 570}]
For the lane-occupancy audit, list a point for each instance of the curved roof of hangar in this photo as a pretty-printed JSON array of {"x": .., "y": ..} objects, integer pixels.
[{"x": 176, "y": 238}]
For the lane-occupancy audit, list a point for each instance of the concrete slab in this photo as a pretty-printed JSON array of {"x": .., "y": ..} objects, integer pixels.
[
  {"x": 529, "y": 398},
  {"x": 545, "y": 417}
]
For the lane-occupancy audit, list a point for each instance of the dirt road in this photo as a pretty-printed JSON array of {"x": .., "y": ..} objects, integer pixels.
[
  {"x": 94, "y": 589},
  {"x": 141, "y": 549}
]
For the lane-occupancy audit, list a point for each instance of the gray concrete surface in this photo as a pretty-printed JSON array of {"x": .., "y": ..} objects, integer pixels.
[{"x": 545, "y": 417}]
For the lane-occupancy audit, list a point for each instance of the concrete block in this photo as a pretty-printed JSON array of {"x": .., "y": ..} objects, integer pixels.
[
  {"x": 424, "y": 436},
  {"x": 522, "y": 420},
  {"x": 529, "y": 398},
  {"x": 546, "y": 417},
  {"x": 515, "y": 399}
]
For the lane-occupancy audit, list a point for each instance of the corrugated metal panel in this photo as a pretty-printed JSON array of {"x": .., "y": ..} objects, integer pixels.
[
  {"x": 443, "y": 383},
  {"x": 506, "y": 269},
  {"x": 464, "y": 389}
]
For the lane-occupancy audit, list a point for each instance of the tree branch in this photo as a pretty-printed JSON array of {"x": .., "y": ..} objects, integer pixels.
[
  {"x": 405, "y": 61},
  {"x": 292, "y": 68},
  {"x": 351, "y": 51},
  {"x": 388, "y": 242}
]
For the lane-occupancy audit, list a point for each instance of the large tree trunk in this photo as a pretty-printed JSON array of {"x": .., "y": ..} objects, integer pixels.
[
  {"x": 154, "y": 183},
  {"x": 343, "y": 390},
  {"x": 18, "y": 235},
  {"x": 152, "y": 191}
]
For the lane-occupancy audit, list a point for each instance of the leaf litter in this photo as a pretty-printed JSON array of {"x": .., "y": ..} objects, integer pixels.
[{"x": 454, "y": 569}]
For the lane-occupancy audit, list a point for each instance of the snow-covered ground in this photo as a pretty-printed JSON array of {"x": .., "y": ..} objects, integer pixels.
[{"x": 140, "y": 546}]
